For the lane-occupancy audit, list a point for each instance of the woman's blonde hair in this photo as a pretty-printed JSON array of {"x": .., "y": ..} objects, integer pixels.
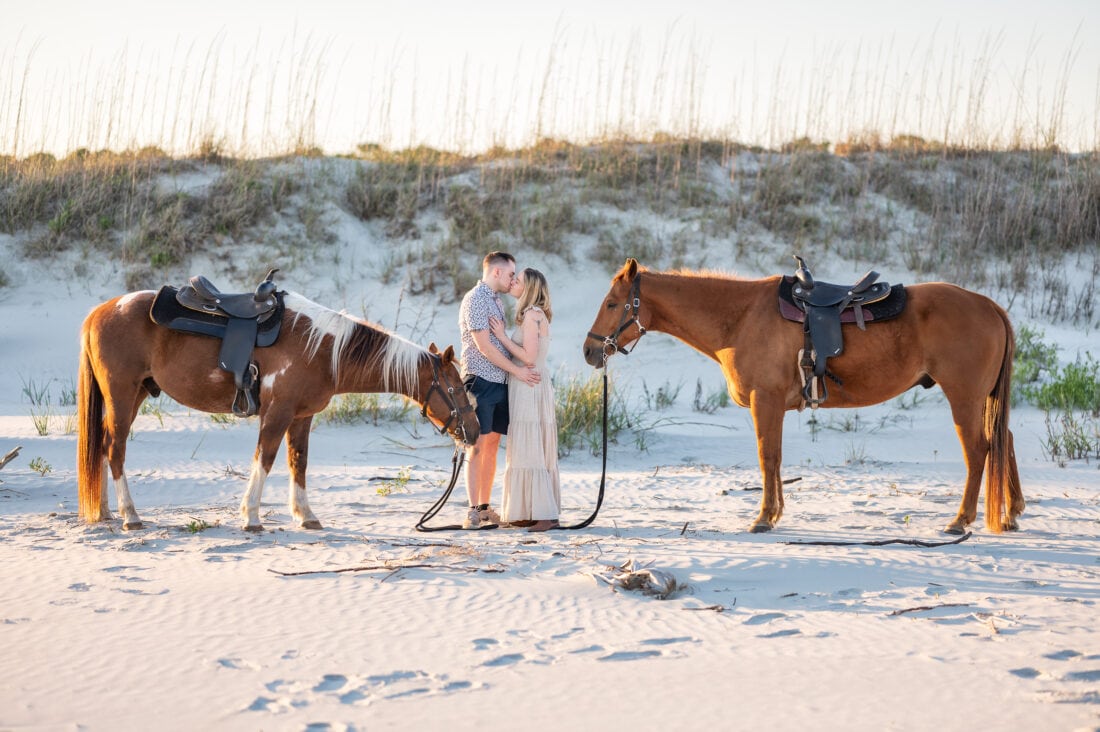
[{"x": 536, "y": 293}]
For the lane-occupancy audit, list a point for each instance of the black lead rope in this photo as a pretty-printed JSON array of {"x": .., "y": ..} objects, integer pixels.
[{"x": 456, "y": 468}]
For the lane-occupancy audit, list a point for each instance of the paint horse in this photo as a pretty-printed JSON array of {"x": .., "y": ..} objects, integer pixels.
[
  {"x": 126, "y": 357},
  {"x": 946, "y": 335}
]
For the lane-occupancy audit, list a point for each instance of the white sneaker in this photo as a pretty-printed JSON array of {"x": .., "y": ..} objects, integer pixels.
[
  {"x": 472, "y": 520},
  {"x": 489, "y": 516}
]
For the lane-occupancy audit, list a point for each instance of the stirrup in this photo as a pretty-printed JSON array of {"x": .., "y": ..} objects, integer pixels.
[{"x": 245, "y": 403}]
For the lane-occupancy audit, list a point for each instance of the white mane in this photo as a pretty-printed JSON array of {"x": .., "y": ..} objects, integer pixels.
[{"x": 399, "y": 358}]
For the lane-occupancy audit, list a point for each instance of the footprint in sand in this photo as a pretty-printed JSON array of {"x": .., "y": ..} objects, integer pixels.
[
  {"x": 331, "y": 682},
  {"x": 781, "y": 633},
  {"x": 1092, "y": 676},
  {"x": 629, "y": 655},
  {"x": 1062, "y": 655},
  {"x": 481, "y": 644},
  {"x": 667, "y": 641},
  {"x": 763, "y": 618},
  {"x": 236, "y": 664},
  {"x": 506, "y": 660}
]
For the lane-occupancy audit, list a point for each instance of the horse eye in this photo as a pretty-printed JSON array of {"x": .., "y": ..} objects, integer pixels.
[{"x": 611, "y": 305}]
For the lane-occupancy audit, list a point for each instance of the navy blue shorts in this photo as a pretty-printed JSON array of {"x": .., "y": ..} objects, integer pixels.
[{"x": 492, "y": 404}]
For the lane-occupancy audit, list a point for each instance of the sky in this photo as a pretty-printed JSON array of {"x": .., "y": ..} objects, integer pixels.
[{"x": 261, "y": 77}]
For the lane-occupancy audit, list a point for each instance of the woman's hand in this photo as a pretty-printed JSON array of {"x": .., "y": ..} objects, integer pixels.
[{"x": 496, "y": 327}]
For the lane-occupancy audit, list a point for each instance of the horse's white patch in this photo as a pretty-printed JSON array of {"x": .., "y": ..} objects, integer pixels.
[
  {"x": 250, "y": 503},
  {"x": 130, "y": 297},
  {"x": 268, "y": 381}
]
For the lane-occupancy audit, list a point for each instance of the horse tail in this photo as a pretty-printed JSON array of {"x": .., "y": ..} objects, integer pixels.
[
  {"x": 90, "y": 436},
  {"x": 1003, "y": 495}
]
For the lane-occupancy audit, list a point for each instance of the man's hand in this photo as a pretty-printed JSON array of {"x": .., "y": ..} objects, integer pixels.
[{"x": 528, "y": 375}]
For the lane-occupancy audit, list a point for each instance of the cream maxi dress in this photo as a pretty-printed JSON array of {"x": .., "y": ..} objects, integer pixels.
[{"x": 532, "y": 491}]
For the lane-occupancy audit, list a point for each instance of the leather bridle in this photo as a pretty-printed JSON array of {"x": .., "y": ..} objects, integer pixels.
[
  {"x": 448, "y": 395},
  {"x": 629, "y": 317}
]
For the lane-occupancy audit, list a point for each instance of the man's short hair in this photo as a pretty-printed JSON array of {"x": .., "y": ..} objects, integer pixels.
[{"x": 495, "y": 259}]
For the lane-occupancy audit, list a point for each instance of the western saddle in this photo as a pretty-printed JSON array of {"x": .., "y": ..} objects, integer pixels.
[
  {"x": 242, "y": 321},
  {"x": 821, "y": 307}
]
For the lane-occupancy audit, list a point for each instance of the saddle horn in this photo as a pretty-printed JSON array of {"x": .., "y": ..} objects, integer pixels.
[
  {"x": 267, "y": 288},
  {"x": 802, "y": 274}
]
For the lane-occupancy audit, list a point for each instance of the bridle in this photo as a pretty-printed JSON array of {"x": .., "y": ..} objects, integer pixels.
[
  {"x": 448, "y": 395},
  {"x": 629, "y": 318}
]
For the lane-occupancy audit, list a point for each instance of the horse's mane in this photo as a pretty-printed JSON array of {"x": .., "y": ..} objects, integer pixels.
[
  {"x": 359, "y": 342},
  {"x": 710, "y": 274}
]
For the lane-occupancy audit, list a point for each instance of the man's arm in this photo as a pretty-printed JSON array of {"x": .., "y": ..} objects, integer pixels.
[{"x": 524, "y": 373}]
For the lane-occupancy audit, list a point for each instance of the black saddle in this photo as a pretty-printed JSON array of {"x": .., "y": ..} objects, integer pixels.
[
  {"x": 242, "y": 321},
  {"x": 822, "y": 306}
]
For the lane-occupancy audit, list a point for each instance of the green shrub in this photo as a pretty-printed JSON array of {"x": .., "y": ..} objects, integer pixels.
[
  {"x": 1034, "y": 357},
  {"x": 1075, "y": 386},
  {"x": 579, "y": 412},
  {"x": 358, "y": 408}
]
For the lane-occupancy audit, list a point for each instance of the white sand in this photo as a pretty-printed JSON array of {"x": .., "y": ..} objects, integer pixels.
[{"x": 166, "y": 629}]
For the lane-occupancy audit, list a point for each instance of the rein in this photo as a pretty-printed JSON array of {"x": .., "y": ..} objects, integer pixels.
[
  {"x": 449, "y": 397},
  {"x": 456, "y": 468}
]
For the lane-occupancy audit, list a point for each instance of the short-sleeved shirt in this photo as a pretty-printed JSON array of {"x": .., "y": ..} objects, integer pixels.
[{"x": 477, "y": 306}]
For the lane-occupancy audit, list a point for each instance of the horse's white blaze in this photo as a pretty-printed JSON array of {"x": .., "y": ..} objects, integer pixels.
[
  {"x": 125, "y": 502},
  {"x": 125, "y": 300},
  {"x": 299, "y": 504},
  {"x": 400, "y": 361},
  {"x": 250, "y": 504}
]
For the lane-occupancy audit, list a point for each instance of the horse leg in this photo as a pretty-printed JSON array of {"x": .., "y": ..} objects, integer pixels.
[
  {"x": 767, "y": 417},
  {"x": 297, "y": 452},
  {"x": 967, "y": 413},
  {"x": 272, "y": 430},
  {"x": 118, "y": 429}
]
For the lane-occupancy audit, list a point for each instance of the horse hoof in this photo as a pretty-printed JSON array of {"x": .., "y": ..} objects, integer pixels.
[
  {"x": 133, "y": 526},
  {"x": 312, "y": 524},
  {"x": 760, "y": 528},
  {"x": 254, "y": 528},
  {"x": 955, "y": 529}
]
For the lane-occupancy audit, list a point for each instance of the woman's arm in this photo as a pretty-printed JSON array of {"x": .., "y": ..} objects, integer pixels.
[{"x": 496, "y": 326}]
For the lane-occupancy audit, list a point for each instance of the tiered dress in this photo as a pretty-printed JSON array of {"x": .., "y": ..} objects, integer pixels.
[{"x": 532, "y": 490}]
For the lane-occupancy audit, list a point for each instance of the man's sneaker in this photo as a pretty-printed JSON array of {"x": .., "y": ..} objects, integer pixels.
[
  {"x": 472, "y": 520},
  {"x": 489, "y": 517}
]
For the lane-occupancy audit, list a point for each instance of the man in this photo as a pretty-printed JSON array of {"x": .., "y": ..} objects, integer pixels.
[{"x": 486, "y": 367}]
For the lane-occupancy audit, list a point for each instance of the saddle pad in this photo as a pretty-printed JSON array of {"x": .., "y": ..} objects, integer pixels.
[
  {"x": 891, "y": 307},
  {"x": 168, "y": 312}
]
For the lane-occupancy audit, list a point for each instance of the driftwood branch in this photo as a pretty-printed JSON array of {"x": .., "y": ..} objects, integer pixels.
[
  {"x": 929, "y": 607},
  {"x": 387, "y": 568},
  {"x": 10, "y": 456},
  {"x": 884, "y": 542}
]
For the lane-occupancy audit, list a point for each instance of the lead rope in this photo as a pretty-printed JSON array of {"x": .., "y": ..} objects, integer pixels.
[
  {"x": 456, "y": 468},
  {"x": 603, "y": 472}
]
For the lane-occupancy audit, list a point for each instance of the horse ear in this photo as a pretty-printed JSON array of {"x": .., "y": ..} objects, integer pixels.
[
  {"x": 630, "y": 268},
  {"x": 432, "y": 348},
  {"x": 449, "y": 355}
]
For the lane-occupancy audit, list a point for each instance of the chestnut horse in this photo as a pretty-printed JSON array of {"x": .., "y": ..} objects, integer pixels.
[
  {"x": 946, "y": 335},
  {"x": 125, "y": 357}
]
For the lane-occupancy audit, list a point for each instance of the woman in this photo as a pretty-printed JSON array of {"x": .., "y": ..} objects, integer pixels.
[{"x": 532, "y": 492}]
